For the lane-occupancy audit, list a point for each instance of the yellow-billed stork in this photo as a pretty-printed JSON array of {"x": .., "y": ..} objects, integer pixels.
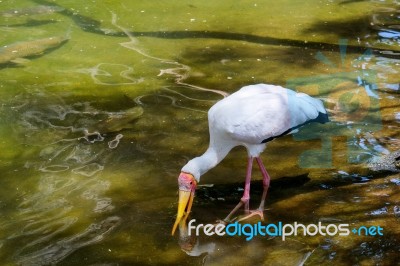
[{"x": 250, "y": 117}]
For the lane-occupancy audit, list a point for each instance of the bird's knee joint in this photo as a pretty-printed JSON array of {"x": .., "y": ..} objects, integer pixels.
[{"x": 245, "y": 199}]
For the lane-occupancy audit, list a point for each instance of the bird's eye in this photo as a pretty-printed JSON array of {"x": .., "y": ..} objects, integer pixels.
[{"x": 191, "y": 182}]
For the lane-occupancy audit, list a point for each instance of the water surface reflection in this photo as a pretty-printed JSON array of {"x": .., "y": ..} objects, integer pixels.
[{"x": 94, "y": 133}]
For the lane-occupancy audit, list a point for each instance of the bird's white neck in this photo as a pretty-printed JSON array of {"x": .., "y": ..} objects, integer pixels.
[{"x": 200, "y": 165}]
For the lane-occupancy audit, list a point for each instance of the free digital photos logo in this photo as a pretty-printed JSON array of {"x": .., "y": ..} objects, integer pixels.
[{"x": 280, "y": 229}]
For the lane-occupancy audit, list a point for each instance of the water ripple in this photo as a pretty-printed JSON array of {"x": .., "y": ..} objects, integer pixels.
[
  {"x": 65, "y": 190},
  {"x": 57, "y": 251},
  {"x": 103, "y": 74},
  {"x": 178, "y": 70},
  {"x": 88, "y": 170}
]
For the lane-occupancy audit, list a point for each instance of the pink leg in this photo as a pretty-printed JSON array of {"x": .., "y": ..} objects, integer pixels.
[
  {"x": 246, "y": 195},
  {"x": 266, "y": 181}
]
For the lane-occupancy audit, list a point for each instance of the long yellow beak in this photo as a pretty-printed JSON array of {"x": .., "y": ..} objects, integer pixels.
[{"x": 184, "y": 207}]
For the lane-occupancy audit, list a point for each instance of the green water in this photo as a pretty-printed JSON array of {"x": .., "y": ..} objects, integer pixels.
[{"x": 70, "y": 195}]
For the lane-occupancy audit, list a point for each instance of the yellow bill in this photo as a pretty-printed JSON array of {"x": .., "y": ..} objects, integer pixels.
[{"x": 184, "y": 207}]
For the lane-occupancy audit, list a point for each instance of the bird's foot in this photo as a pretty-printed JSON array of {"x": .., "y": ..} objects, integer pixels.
[
  {"x": 225, "y": 221},
  {"x": 219, "y": 221},
  {"x": 253, "y": 213}
]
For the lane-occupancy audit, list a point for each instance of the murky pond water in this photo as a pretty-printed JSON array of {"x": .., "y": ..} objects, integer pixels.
[{"x": 110, "y": 100}]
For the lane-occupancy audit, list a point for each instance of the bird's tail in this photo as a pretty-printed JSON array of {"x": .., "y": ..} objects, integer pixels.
[
  {"x": 313, "y": 108},
  {"x": 322, "y": 118}
]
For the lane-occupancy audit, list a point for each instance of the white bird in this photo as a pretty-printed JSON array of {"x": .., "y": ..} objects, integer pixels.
[{"x": 250, "y": 117}]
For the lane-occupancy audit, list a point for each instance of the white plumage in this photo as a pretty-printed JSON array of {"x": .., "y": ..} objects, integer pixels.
[{"x": 249, "y": 117}]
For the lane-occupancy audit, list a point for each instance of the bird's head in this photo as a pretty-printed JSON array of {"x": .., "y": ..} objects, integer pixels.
[{"x": 187, "y": 186}]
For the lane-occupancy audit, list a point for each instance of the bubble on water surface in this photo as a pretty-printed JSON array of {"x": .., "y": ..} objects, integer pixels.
[
  {"x": 114, "y": 143},
  {"x": 92, "y": 137}
]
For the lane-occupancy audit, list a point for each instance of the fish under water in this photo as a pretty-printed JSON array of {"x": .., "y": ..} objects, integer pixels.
[
  {"x": 30, "y": 11},
  {"x": 16, "y": 52}
]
